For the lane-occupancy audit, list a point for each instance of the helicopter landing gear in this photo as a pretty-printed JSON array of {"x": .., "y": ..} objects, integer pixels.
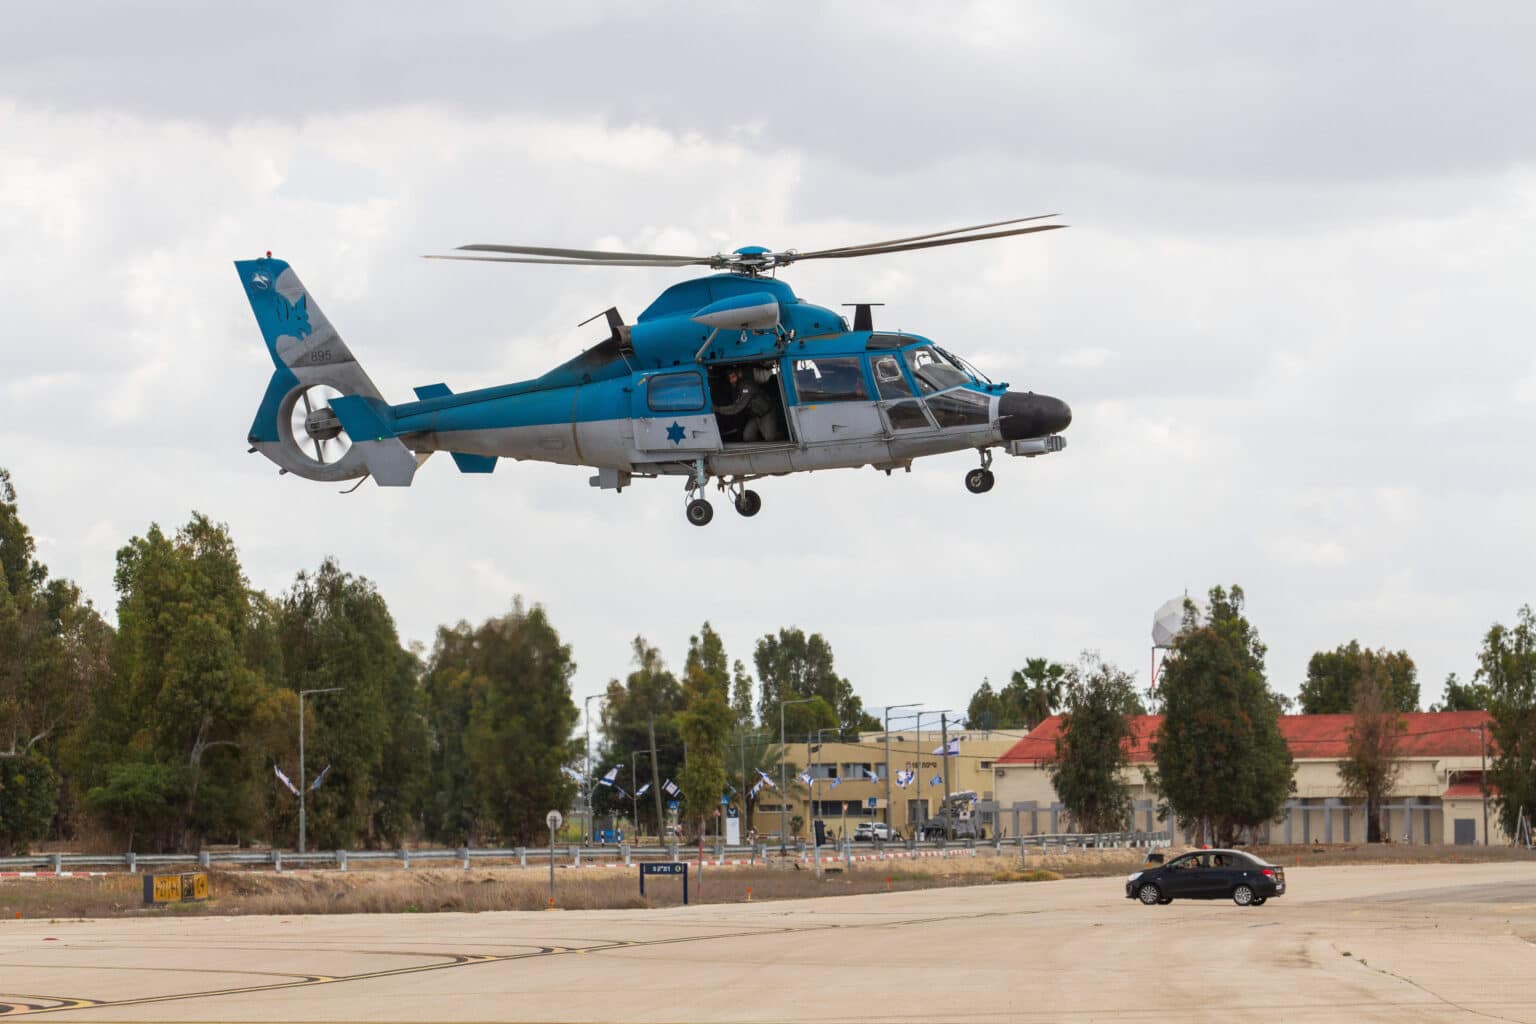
[
  {"x": 700, "y": 512},
  {"x": 980, "y": 480},
  {"x": 749, "y": 503}
]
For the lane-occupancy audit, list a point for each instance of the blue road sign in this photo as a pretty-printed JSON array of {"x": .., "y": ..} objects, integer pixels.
[
  {"x": 674, "y": 868},
  {"x": 672, "y": 805}
]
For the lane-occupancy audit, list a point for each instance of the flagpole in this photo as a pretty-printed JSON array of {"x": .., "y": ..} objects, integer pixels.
[
  {"x": 949, "y": 826},
  {"x": 302, "y": 788},
  {"x": 888, "y": 710}
]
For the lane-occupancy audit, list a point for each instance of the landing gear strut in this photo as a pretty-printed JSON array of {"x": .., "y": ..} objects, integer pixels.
[
  {"x": 700, "y": 512},
  {"x": 980, "y": 480}
]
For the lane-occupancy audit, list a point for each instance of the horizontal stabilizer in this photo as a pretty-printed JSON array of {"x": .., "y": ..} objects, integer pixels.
[
  {"x": 472, "y": 463},
  {"x": 427, "y": 391}
]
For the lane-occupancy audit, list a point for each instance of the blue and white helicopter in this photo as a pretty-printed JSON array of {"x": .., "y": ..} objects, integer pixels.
[{"x": 727, "y": 378}]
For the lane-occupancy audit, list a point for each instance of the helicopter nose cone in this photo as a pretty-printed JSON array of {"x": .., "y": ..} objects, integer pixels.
[{"x": 1031, "y": 415}]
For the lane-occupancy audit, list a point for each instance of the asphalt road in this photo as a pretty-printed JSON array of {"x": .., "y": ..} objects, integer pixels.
[{"x": 1392, "y": 943}]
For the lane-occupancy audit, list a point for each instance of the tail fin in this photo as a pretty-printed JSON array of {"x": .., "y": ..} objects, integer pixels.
[{"x": 310, "y": 359}]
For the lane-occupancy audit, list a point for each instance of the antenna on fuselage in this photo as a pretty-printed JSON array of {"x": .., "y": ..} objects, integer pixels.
[{"x": 863, "y": 315}]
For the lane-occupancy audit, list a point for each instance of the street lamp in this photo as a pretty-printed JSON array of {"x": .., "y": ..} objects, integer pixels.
[
  {"x": 303, "y": 789},
  {"x": 586, "y": 709},
  {"x": 784, "y": 773},
  {"x": 888, "y": 710},
  {"x": 922, "y": 808}
]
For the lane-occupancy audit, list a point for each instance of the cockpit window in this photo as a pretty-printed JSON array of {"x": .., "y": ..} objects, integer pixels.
[
  {"x": 890, "y": 382},
  {"x": 933, "y": 371},
  {"x": 838, "y": 379}
]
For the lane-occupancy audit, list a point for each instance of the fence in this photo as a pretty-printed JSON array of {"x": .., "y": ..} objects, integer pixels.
[{"x": 572, "y": 856}]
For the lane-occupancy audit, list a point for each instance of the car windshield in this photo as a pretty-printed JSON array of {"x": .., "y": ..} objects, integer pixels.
[{"x": 933, "y": 371}]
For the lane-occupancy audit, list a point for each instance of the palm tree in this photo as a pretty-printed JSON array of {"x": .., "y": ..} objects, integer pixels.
[{"x": 750, "y": 754}]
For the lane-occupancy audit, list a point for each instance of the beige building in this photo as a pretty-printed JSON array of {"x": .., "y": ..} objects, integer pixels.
[
  {"x": 848, "y": 781},
  {"x": 1438, "y": 797}
]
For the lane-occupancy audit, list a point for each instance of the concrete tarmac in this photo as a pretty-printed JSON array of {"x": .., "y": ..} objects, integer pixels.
[{"x": 1412, "y": 943}]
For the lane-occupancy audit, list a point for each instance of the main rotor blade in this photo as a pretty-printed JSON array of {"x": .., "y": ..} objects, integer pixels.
[
  {"x": 936, "y": 234},
  {"x": 572, "y": 263},
  {"x": 837, "y": 254},
  {"x": 578, "y": 254}
]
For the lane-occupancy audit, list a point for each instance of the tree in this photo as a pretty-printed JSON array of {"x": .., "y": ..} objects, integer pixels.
[
  {"x": 182, "y": 696},
  {"x": 985, "y": 711},
  {"x": 498, "y": 696},
  {"x": 1461, "y": 696},
  {"x": 54, "y": 652},
  {"x": 1332, "y": 677},
  {"x": 741, "y": 695},
  {"x": 336, "y": 631},
  {"x": 1371, "y": 768},
  {"x": 648, "y": 694},
  {"x": 1034, "y": 692},
  {"x": 1221, "y": 762},
  {"x": 791, "y": 665},
  {"x": 1092, "y": 747},
  {"x": 754, "y": 755},
  {"x": 705, "y": 724},
  {"x": 1507, "y": 666},
  {"x": 28, "y": 792}
]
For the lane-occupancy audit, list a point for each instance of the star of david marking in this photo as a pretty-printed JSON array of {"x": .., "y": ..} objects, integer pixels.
[{"x": 676, "y": 433}]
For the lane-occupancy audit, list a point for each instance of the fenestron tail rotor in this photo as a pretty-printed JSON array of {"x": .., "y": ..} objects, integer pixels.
[
  {"x": 749, "y": 260},
  {"x": 316, "y": 428}
]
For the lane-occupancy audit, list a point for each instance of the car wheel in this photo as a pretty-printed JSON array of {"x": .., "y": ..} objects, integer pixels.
[
  {"x": 1149, "y": 894},
  {"x": 1243, "y": 895},
  {"x": 1258, "y": 901}
]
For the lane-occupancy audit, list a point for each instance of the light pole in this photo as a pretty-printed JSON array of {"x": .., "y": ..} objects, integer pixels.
[
  {"x": 783, "y": 772},
  {"x": 303, "y": 788},
  {"x": 922, "y": 809},
  {"x": 894, "y": 707},
  {"x": 811, "y": 789},
  {"x": 586, "y": 709}
]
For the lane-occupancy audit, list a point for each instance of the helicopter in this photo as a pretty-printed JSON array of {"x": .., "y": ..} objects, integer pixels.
[{"x": 729, "y": 378}]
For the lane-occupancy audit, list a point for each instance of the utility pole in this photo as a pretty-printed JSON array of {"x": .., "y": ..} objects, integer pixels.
[
  {"x": 303, "y": 788},
  {"x": 655, "y": 781},
  {"x": 949, "y": 824},
  {"x": 888, "y": 711},
  {"x": 586, "y": 706},
  {"x": 1482, "y": 741},
  {"x": 784, "y": 774}
]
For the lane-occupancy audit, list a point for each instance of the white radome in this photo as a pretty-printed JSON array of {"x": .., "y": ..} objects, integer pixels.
[{"x": 1168, "y": 623}]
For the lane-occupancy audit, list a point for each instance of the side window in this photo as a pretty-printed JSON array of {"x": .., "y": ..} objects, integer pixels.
[
  {"x": 890, "y": 382},
  {"x": 840, "y": 379},
  {"x": 675, "y": 392},
  {"x": 906, "y": 416},
  {"x": 959, "y": 408}
]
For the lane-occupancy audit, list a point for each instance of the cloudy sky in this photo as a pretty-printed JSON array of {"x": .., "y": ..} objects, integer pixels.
[{"x": 1293, "y": 314}]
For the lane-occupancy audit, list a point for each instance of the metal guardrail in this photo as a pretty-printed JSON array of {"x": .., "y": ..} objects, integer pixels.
[{"x": 574, "y": 856}]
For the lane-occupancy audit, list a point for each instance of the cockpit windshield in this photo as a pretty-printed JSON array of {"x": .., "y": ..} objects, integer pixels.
[
  {"x": 966, "y": 366},
  {"x": 933, "y": 371}
]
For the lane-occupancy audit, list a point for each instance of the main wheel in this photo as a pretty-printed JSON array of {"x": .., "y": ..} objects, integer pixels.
[
  {"x": 700, "y": 512},
  {"x": 749, "y": 504},
  {"x": 1243, "y": 895},
  {"x": 979, "y": 481},
  {"x": 1258, "y": 901},
  {"x": 1149, "y": 894}
]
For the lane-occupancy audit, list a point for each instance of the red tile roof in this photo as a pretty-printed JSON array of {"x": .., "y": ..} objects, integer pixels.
[
  {"x": 1311, "y": 737},
  {"x": 1468, "y": 790}
]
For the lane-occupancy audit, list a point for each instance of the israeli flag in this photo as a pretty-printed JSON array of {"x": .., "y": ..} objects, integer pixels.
[
  {"x": 670, "y": 788},
  {"x": 805, "y": 776},
  {"x": 937, "y": 780},
  {"x": 320, "y": 778},
  {"x": 643, "y": 790},
  {"x": 573, "y": 773},
  {"x": 952, "y": 749},
  {"x": 872, "y": 776},
  {"x": 608, "y": 777},
  {"x": 767, "y": 779},
  {"x": 836, "y": 782},
  {"x": 904, "y": 777},
  {"x": 286, "y": 781},
  {"x": 755, "y": 787}
]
